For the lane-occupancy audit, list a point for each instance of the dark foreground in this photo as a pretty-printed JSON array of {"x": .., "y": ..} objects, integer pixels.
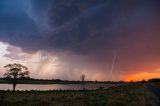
[{"x": 128, "y": 95}]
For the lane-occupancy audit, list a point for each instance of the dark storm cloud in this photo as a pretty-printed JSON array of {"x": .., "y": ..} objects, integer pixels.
[{"x": 93, "y": 28}]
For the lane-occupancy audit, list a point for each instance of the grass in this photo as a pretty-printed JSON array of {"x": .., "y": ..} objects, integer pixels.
[
  {"x": 157, "y": 84},
  {"x": 126, "y": 95}
]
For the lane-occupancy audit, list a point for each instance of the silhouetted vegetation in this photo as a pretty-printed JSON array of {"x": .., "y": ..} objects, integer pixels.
[
  {"x": 82, "y": 78},
  {"x": 15, "y": 72},
  {"x": 154, "y": 80},
  {"x": 29, "y": 80}
]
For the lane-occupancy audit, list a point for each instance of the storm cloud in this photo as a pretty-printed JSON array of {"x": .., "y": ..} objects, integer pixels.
[{"x": 92, "y": 29}]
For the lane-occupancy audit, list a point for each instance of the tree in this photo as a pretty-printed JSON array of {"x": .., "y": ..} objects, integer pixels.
[
  {"x": 82, "y": 77},
  {"x": 15, "y": 71}
]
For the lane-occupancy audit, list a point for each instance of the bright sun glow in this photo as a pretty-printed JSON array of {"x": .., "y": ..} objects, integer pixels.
[
  {"x": 141, "y": 76},
  {"x": 128, "y": 80}
]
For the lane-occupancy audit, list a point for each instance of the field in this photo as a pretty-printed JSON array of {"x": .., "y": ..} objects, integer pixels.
[
  {"x": 157, "y": 84},
  {"x": 125, "y": 95}
]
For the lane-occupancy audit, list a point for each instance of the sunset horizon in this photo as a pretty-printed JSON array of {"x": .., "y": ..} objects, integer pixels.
[
  {"x": 79, "y": 52},
  {"x": 60, "y": 39}
]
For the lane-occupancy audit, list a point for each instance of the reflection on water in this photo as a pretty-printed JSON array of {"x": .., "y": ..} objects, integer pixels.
[{"x": 54, "y": 86}]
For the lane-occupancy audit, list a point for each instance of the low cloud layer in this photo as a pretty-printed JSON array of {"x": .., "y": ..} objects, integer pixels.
[{"x": 86, "y": 32}]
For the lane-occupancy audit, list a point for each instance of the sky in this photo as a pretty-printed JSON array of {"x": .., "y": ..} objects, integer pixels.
[{"x": 63, "y": 39}]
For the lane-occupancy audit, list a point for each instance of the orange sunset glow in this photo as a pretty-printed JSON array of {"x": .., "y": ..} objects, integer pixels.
[
  {"x": 106, "y": 40},
  {"x": 141, "y": 76},
  {"x": 80, "y": 52}
]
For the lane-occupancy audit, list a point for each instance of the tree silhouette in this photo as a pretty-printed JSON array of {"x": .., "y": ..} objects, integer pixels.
[
  {"x": 15, "y": 71},
  {"x": 82, "y": 77}
]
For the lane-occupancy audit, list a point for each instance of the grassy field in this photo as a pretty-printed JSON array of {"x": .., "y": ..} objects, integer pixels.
[
  {"x": 157, "y": 84},
  {"x": 128, "y": 95}
]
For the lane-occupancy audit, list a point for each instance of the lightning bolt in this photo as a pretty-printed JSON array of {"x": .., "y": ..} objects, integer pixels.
[{"x": 113, "y": 63}]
